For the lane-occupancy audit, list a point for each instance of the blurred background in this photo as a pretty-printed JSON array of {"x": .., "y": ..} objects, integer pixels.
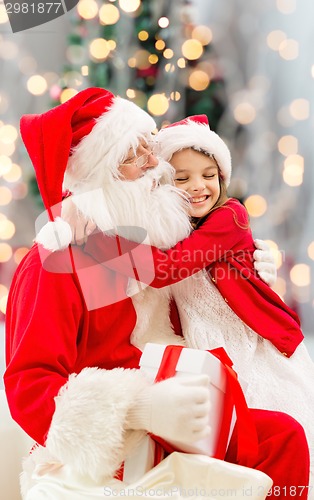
[{"x": 249, "y": 66}]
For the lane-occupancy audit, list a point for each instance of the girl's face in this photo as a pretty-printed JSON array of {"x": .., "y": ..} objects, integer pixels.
[{"x": 198, "y": 175}]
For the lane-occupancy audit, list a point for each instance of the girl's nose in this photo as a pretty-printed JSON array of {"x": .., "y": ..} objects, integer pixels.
[{"x": 198, "y": 186}]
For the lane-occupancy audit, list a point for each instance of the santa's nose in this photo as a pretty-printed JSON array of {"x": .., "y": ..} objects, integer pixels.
[{"x": 152, "y": 161}]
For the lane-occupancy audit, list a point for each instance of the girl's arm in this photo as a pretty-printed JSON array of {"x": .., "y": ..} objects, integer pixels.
[{"x": 220, "y": 234}]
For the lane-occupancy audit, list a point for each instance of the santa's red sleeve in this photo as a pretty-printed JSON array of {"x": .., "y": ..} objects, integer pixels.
[{"x": 80, "y": 416}]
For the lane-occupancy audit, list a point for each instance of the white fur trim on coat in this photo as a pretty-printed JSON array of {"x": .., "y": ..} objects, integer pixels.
[
  {"x": 87, "y": 430},
  {"x": 197, "y": 136}
]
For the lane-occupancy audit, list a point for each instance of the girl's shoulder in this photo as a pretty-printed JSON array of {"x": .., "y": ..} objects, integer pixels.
[{"x": 236, "y": 210}]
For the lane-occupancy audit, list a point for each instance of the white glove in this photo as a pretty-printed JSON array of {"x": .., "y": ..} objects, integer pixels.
[
  {"x": 265, "y": 262},
  {"x": 175, "y": 409}
]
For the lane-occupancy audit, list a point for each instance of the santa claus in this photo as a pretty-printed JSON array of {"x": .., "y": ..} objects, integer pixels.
[{"x": 75, "y": 329}]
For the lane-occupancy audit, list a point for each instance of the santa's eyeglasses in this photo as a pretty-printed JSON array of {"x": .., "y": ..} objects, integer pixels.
[{"x": 141, "y": 161}]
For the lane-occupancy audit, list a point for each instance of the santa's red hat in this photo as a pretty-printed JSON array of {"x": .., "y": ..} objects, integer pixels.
[
  {"x": 79, "y": 144},
  {"x": 194, "y": 132}
]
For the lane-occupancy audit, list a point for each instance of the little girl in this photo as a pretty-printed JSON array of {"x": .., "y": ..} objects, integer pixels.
[{"x": 227, "y": 304}]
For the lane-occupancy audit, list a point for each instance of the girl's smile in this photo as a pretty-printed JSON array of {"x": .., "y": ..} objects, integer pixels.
[{"x": 198, "y": 175}]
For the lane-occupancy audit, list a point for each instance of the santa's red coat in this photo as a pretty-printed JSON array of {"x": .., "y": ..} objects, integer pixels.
[{"x": 51, "y": 333}]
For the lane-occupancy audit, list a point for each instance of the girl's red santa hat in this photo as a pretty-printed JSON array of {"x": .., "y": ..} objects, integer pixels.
[
  {"x": 78, "y": 145},
  {"x": 194, "y": 132}
]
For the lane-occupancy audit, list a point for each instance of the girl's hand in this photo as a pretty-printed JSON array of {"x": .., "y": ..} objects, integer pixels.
[
  {"x": 81, "y": 227},
  {"x": 265, "y": 262}
]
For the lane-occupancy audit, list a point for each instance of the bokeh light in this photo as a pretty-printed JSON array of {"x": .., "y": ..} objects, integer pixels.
[
  {"x": 20, "y": 191},
  {"x": 175, "y": 96},
  {"x": 288, "y": 145},
  {"x": 300, "y": 275},
  {"x": 8, "y": 134},
  {"x": 37, "y": 85},
  {"x": 129, "y": 5},
  {"x": 3, "y": 290},
  {"x": 203, "y": 34},
  {"x": 198, "y": 80},
  {"x": 5, "y": 252},
  {"x": 293, "y": 170},
  {"x": 256, "y": 205},
  {"x": 66, "y": 94},
  {"x": 8, "y": 50},
  {"x": 280, "y": 287},
  {"x": 14, "y": 173},
  {"x": 310, "y": 250},
  {"x": 300, "y": 109},
  {"x": 99, "y": 49},
  {"x": 170, "y": 68},
  {"x": 168, "y": 53},
  {"x": 5, "y": 164},
  {"x": 109, "y": 14},
  {"x": 84, "y": 70},
  {"x": 5, "y": 195},
  {"x": 158, "y": 104},
  {"x": 3, "y": 14},
  {"x": 163, "y": 22},
  {"x": 87, "y": 9},
  {"x": 143, "y": 35},
  {"x": 275, "y": 38},
  {"x": 19, "y": 254},
  {"x": 181, "y": 63},
  {"x": 153, "y": 59},
  {"x": 3, "y": 303},
  {"x": 142, "y": 59},
  {"x": 7, "y": 149},
  {"x": 160, "y": 45},
  {"x": 7, "y": 229},
  {"x": 192, "y": 49},
  {"x": 286, "y": 6},
  {"x": 244, "y": 113},
  {"x": 289, "y": 49}
]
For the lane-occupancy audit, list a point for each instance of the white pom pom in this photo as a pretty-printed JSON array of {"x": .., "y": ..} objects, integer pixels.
[{"x": 55, "y": 235}]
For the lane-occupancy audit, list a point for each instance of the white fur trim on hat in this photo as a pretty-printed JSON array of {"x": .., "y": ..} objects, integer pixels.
[
  {"x": 95, "y": 160},
  {"x": 55, "y": 235},
  {"x": 197, "y": 136}
]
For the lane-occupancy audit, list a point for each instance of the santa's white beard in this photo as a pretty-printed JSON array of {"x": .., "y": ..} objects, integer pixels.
[
  {"x": 149, "y": 206},
  {"x": 149, "y": 210}
]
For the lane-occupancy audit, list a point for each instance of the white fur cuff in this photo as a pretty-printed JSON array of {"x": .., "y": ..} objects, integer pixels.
[{"x": 88, "y": 427}]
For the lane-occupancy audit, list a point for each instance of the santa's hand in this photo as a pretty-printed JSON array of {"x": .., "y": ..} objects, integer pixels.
[
  {"x": 80, "y": 226},
  {"x": 265, "y": 262},
  {"x": 176, "y": 409}
]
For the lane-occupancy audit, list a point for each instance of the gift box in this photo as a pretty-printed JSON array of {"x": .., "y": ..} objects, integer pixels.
[
  {"x": 221, "y": 415},
  {"x": 141, "y": 460},
  {"x": 228, "y": 406}
]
